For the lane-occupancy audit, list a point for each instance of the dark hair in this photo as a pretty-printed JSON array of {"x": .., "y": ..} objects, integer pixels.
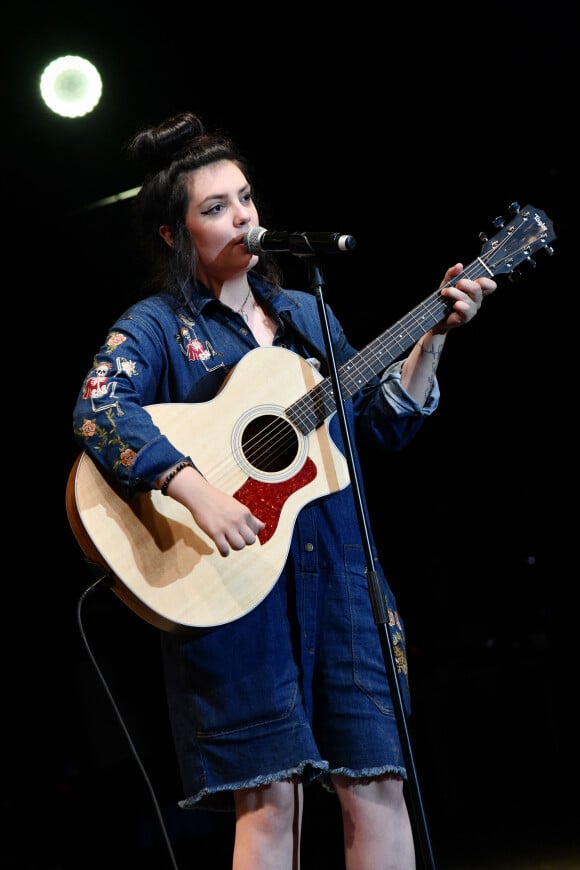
[{"x": 167, "y": 153}]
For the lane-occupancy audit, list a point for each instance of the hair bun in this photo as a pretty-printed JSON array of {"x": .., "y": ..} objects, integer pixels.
[{"x": 156, "y": 147}]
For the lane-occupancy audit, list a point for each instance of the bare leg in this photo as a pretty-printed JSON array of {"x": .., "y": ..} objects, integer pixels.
[
  {"x": 268, "y": 824},
  {"x": 377, "y": 829}
]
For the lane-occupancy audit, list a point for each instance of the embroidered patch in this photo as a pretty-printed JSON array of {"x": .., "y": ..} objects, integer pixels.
[{"x": 196, "y": 350}]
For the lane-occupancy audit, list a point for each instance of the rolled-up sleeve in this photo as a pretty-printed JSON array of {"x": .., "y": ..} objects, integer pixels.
[{"x": 399, "y": 399}]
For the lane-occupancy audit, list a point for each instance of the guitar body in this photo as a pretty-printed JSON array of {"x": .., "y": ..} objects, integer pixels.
[{"x": 162, "y": 565}]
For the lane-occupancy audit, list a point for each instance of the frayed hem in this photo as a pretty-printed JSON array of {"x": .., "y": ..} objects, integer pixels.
[
  {"x": 367, "y": 774},
  {"x": 220, "y": 799}
]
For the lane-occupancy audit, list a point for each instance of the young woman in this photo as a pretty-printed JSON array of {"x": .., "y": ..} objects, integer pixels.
[{"x": 293, "y": 690}]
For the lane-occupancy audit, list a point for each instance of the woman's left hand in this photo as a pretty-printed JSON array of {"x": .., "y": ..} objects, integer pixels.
[{"x": 466, "y": 297}]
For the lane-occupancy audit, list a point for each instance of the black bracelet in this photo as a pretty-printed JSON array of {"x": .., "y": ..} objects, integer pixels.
[{"x": 187, "y": 463}]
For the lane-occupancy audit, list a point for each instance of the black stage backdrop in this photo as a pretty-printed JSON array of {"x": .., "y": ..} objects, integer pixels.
[{"x": 412, "y": 135}]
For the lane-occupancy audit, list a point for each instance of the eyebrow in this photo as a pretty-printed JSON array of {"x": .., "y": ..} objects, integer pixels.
[{"x": 224, "y": 195}]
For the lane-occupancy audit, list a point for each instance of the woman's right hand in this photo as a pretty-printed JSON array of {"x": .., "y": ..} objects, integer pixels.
[{"x": 228, "y": 522}]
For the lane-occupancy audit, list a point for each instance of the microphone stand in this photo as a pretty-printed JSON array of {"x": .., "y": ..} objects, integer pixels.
[{"x": 380, "y": 611}]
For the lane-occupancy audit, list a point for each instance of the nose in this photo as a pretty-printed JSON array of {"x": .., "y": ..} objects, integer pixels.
[{"x": 243, "y": 215}]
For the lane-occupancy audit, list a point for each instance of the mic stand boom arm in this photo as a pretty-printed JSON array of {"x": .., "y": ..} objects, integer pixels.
[{"x": 380, "y": 611}]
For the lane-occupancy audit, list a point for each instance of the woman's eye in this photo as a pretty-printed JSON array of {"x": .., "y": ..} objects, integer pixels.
[{"x": 215, "y": 209}]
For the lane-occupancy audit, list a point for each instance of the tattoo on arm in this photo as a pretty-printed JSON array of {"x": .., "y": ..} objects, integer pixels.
[{"x": 435, "y": 354}]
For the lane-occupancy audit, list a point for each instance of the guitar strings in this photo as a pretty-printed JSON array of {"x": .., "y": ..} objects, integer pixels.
[{"x": 276, "y": 439}]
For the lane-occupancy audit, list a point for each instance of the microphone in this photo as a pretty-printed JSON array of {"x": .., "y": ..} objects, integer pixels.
[{"x": 259, "y": 241}]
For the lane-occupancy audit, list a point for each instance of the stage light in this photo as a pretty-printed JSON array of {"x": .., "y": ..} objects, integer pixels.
[{"x": 71, "y": 86}]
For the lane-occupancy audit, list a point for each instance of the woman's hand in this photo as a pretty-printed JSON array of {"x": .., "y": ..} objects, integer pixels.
[
  {"x": 466, "y": 297},
  {"x": 228, "y": 522}
]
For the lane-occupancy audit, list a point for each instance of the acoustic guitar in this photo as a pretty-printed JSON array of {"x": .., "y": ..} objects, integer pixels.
[{"x": 265, "y": 440}]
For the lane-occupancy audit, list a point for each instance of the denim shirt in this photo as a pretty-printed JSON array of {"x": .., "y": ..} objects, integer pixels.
[{"x": 162, "y": 351}]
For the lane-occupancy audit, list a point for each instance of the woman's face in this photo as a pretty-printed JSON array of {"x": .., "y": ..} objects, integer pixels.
[{"x": 220, "y": 213}]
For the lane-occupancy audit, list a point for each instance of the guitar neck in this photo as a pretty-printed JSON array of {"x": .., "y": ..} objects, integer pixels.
[
  {"x": 312, "y": 409},
  {"x": 529, "y": 230},
  {"x": 376, "y": 356}
]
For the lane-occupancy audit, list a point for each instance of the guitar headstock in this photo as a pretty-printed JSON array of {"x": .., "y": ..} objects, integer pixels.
[{"x": 528, "y": 231}]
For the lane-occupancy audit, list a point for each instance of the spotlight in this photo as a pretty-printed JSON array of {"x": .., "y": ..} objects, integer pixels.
[{"x": 71, "y": 86}]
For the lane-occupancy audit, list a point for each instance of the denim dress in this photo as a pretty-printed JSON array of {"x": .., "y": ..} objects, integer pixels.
[{"x": 295, "y": 685}]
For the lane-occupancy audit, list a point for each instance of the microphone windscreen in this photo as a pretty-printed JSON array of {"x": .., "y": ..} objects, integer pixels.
[{"x": 252, "y": 240}]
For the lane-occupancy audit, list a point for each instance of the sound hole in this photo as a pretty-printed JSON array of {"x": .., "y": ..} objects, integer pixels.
[{"x": 269, "y": 443}]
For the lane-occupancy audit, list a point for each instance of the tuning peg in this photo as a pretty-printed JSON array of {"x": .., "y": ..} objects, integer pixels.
[
  {"x": 528, "y": 262},
  {"x": 499, "y": 222}
]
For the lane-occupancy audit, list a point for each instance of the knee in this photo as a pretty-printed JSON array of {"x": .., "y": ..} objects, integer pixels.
[
  {"x": 274, "y": 807},
  {"x": 385, "y": 791}
]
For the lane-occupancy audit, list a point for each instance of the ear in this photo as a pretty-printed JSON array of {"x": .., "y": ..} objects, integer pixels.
[{"x": 166, "y": 233}]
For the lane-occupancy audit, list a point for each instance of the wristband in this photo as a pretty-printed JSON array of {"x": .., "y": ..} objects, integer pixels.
[{"x": 187, "y": 463}]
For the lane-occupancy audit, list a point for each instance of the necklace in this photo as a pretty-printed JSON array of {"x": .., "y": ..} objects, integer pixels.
[{"x": 243, "y": 305}]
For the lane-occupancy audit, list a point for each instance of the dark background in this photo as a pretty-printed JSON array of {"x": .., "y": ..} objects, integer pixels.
[{"x": 411, "y": 131}]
